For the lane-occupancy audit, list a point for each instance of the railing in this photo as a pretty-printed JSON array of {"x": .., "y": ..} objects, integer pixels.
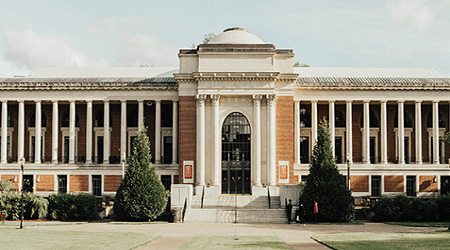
[
  {"x": 268, "y": 197},
  {"x": 203, "y": 196},
  {"x": 184, "y": 210}
]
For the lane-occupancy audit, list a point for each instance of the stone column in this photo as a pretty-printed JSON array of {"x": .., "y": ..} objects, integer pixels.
[
  {"x": 37, "y": 133},
  {"x": 216, "y": 135},
  {"x": 348, "y": 124},
  {"x": 257, "y": 139},
  {"x": 21, "y": 132},
  {"x": 89, "y": 131},
  {"x": 272, "y": 147},
  {"x": 123, "y": 128},
  {"x": 140, "y": 115},
  {"x": 4, "y": 131},
  {"x": 435, "y": 132},
  {"x": 314, "y": 122},
  {"x": 366, "y": 136},
  {"x": 175, "y": 133},
  {"x": 106, "y": 133},
  {"x": 55, "y": 131},
  {"x": 201, "y": 98},
  {"x": 297, "y": 131},
  {"x": 158, "y": 132},
  {"x": 418, "y": 131},
  {"x": 331, "y": 123},
  {"x": 401, "y": 132},
  {"x": 383, "y": 132},
  {"x": 72, "y": 120}
]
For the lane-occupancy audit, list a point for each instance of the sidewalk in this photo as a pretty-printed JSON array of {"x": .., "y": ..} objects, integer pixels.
[{"x": 174, "y": 235}]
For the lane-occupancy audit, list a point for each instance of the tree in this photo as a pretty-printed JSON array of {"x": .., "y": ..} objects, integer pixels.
[
  {"x": 141, "y": 196},
  {"x": 297, "y": 64},
  {"x": 325, "y": 184},
  {"x": 206, "y": 39}
]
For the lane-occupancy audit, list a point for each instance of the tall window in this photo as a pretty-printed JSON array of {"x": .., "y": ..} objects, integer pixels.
[
  {"x": 62, "y": 183},
  {"x": 410, "y": 186},
  {"x": 32, "y": 119},
  {"x": 339, "y": 119},
  {"x": 376, "y": 185},
  {"x": 97, "y": 185},
  {"x": 99, "y": 119},
  {"x": 166, "y": 114},
  {"x": 65, "y": 119},
  {"x": 132, "y": 118}
]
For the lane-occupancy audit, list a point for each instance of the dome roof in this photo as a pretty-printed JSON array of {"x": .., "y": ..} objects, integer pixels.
[{"x": 236, "y": 36}]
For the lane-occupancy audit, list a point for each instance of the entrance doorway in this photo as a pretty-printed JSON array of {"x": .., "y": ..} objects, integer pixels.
[
  {"x": 445, "y": 185},
  {"x": 236, "y": 174}
]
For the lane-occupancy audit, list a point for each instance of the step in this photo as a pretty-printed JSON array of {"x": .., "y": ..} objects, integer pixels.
[
  {"x": 230, "y": 201},
  {"x": 243, "y": 215}
]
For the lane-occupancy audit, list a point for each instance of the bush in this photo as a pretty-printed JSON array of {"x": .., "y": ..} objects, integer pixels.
[
  {"x": 431, "y": 212},
  {"x": 141, "y": 196},
  {"x": 35, "y": 207},
  {"x": 404, "y": 205},
  {"x": 418, "y": 206},
  {"x": 443, "y": 202},
  {"x": 386, "y": 210},
  {"x": 72, "y": 207},
  {"x": 6, "y": 186}
]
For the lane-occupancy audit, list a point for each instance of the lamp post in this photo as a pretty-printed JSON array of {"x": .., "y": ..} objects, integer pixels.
[
  {"x": 348, "y": 171},
  {"x": 123, "y": 165},
  {"x": 449, "y": 207},
  {"x": 22, "y": 161}
]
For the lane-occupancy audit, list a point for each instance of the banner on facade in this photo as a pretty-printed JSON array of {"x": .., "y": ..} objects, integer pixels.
[
  {"x": 188, "y": 171},
  {"x": 283, "y": 172}
]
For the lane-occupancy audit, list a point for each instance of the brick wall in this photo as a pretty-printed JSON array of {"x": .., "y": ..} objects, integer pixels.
[
  {"x": 11, "y": 178},
  {"x": 79, "y": 183},
  {"x": 187, "y": 132},
  {"x": 285, "y": 134},
  {"x": 112, "y": 182},
  {"x": 359, "y": 183},
  {"x": 46, "y": 183},
  {"x": 426, "y": 183},
  {"x": 393, "y": 183}
]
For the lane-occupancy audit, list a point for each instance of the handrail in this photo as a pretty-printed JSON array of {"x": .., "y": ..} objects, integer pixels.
[
  {"x": 268, "y": 196},
  {"x": 184, "y": 210},
  {"x": 203, "y": 196}
]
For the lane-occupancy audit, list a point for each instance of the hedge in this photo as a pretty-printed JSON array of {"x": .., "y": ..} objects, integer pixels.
[
  {"x": 72, "y": 207},
  {"x": 6, "y": 186},
  {"x": 35, "y": 207}
]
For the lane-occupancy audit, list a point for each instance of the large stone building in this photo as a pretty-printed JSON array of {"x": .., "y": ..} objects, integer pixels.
[{"x": 235, "y": 115}]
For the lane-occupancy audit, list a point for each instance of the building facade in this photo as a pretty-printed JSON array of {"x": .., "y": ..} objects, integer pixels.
[{"x": 234, "y": 117}]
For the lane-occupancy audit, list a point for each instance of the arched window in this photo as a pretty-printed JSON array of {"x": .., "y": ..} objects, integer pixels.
[
  {"x": 430, "y": 120},
  {"x": 10, "y": 119},
  {"x": 32, "y": 119},
  {"x": 339, "y": 119},
  {"x": 305, "y": 119},
  {"x": 132, "y": 119},
  {"x": 65, "y": 119},
  {"x": 373, "y": 120},
  {"x": 407, "y": 120},
  {"x": 99, "y": 119}
]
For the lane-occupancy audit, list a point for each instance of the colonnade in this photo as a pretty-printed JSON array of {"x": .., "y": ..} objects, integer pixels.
[
  {"x": 89, "y": 130},
  {"x": 366, "y": 130},
  {"x": 255, "y": 139}
]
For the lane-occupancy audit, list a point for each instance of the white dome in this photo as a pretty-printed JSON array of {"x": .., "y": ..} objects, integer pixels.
[{"x": 236, "y": 36}]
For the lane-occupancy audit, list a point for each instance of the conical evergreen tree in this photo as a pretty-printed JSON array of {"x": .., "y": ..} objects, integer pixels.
[
  {"x": 141, "y": 196},
  {"x": 325, "y": 184}
]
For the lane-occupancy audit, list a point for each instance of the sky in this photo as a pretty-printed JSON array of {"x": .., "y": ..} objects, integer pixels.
[{"x": 322, "y": 33}]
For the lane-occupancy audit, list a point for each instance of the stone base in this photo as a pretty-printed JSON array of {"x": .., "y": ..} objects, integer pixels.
[
  {"x": 259, "y": 191},
  {"x": 213, "y": 191}
]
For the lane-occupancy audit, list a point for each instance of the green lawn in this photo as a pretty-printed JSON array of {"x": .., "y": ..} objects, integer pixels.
[
  {"x": 375, "y": 241},
  {"x": 229, "y": 242},
  {"x": 419, "y": 224},
  {"x": 12, "y": 238}
]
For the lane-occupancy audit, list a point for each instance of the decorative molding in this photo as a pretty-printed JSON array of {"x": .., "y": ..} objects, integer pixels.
[
  {"x": 257, "y": 100},
  {"x": 200, "y": 98},
  {"x": 236, "y": 102},
  {"x": 271, "y": 99},
  {"x": 215, "y": 98}
]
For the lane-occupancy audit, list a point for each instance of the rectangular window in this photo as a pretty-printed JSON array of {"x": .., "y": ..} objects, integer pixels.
[
  {"x": 166, "y": 181},
  {"x": 410, "y": 186},
  {"x": 97, "y": 185},
  {"x": 62, "y": 183},
  {"x": 304, "y": 149},
  {"x": 372, "y": 150},
  {"x": 376, "y": 185},
  {"x": 167, "y": 159},
  {"x": 338, "y": 149}
]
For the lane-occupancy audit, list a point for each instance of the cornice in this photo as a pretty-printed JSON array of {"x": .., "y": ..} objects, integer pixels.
[{"x": 72, "y": 85}]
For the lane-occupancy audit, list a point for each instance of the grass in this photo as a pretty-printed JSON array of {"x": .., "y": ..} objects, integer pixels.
[
  {"x": 36, "y": 239},
  {"x": 230, "y": 242},
  {"x": 419, "y": 224},
  {"x": 41, "y": 223},
  {"x": 375, "y": 241}
]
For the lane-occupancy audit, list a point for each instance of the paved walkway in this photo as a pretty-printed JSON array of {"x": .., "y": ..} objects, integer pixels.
[{"x": 174, "y": 235}]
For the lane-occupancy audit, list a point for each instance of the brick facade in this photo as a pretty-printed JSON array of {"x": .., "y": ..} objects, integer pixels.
[
  {"x": 112, "y": 182},
  {"x": 45, "y": 183},
  {"x": 186, "y": 133},
  {"x": 79, "y": 183},
  {"x": 11, "y": 179},
  {"x": 393, "y": 183},
  {"x": 285, "y": 133},
  {"x": 427, "y": 184},
  {"x": 359, "y": 183}
]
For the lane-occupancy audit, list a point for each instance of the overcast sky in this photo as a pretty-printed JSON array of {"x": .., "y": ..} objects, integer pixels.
[{"x": 323, "y": 33}]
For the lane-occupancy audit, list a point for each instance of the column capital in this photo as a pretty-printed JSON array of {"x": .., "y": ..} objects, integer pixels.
[
  {"x": 435, "y": 101},
  {"x": 106, "y": 101},
  {"x": 331, "y": 101},
  {"x": 366, "y": 101},
  {"x": 418, "y": 101},
  {"x": 256, "y": 99},
  {"x": 20, "y": 101},
  {"x": 296, "y": 101},
  {"x": 400, "y": 101},
  {"x": 271, "y": 99},
  {"x": 200, "y": 98},
  {"x": 140, "y": 101},
  {"x": 37, "y": 101},
  {"x": 88, "y": 101},
  {"x": 314, "y": 101},
  {"x": 71, "y": 101},
  {"x": 348, "y": 101},
  {"x": 123, "y": 101},
  {"x": 383, "y": 101},
  {"x": 54, "y": 101},
  {"x": 215, "y": 99}
]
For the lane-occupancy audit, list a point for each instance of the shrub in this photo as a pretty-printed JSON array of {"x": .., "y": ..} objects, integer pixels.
[
  {"x": 6, "y": 186},
  {"x": 431, "y": 212},
  {"x": 443, "y": 202},
  {"x": 404, "y": 207},
  {"x": 141, "y": 196},
  {"x": 418, "y": 206},
  {"x": 386, "y": 210},
  {"x": 72, "y": 207},
  {"x": 35, "y": 207}
]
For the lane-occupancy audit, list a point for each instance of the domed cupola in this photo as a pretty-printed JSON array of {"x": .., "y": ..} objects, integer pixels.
[{"x": 236, "y": 36}]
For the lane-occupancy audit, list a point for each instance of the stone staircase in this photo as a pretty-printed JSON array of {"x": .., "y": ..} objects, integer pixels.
[{"x": 249, "y": 209}]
